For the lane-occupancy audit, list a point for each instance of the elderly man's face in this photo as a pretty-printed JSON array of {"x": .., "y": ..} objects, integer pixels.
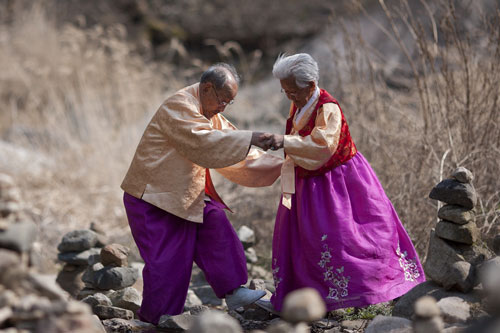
[
  {"x": 216, "y": 100},
  {"x": 299, "y": 96}
]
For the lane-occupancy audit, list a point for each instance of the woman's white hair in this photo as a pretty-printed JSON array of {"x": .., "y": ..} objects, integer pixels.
[{"x": 301, "y": 66}]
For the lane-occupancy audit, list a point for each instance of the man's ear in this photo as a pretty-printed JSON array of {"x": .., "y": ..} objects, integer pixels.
[
  {"x": 206, "y": 86},
  {"x": 312, "y": 85}
]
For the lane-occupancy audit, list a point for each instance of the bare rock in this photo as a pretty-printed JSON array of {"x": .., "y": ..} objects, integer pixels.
[
  {"x": 455, "y": 193},
  {"x": 191, "y": 300},
  {"x": 251, "y": 255},
  {"x": 97, "y": 299},
  {"x": 115, "y": 255},
  {"x": 465, "y": 234},
  {"x": 123, "y": 325},
  {"x": 257, "y": 284},
  {"x": 19, "y": 236},
  {"x": 303, "y": 305},
  {"x": 115, "y": 278},
  {"x": 78, "y": 258},
  {"x": 78, "y": 241},
  {"x": 215, "y": 322},
  {"x": 389, "y": 324},
  {"x": 426, "y": 307},
  {"x": 70, "y": 279},
  {"x": 207, "y": 295},
  {"x": 109, "y": 312},
  {"x": 246, "y": 236},
  {"x": 461, "y": 276},
  {"x": 454, "y": 310},
  {"x": 463, "y": 175},
  {"x": 284, "y": 327},
  {"x": 196, "y": 310},
  {"x": 456, "y": 214},
  {"x": 127, "y": 298},
  {"x": 180, "y": 322}
]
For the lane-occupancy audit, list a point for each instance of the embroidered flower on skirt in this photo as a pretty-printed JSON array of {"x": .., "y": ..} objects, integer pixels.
[
  {"x": 337, "y": 282},
  {"x": 409, "y": 266},
  {"x": 275, "y": 270}
]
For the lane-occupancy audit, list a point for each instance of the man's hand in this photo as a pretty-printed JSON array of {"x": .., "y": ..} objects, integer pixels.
[
  {"x": 262, "y": 140},
  {"x": 277, "y": 141}
]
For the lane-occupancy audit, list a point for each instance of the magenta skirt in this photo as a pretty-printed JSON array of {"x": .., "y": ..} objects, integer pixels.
[{"x": 343, "y": 237}]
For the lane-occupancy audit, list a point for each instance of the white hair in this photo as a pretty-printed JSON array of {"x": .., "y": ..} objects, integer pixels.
[{"x": 301, "y": 66}]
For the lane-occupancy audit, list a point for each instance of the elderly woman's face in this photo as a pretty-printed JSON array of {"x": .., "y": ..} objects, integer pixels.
[{"x": 299, "y": 96}]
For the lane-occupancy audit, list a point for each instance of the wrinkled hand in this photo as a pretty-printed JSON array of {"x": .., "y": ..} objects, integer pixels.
[
  {"x": 277, "y": 142},
  {"x": 262, "y": 140}
]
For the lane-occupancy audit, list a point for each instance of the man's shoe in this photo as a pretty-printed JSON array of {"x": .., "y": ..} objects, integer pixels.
[
  {"x": 243, "y": 296},
  {"x": 267, "y": 305}
]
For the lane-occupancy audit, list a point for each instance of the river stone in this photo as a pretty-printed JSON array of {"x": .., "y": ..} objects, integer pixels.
[
  {"x": 127, "y": 298},
  {"x": 77, "y": 241},
  {"x": 303, "y": 305},
  {"x": 388, "y": 324},
  {"x": 463, "y": 175},
  {"x": 441, "y": 254},
  {"x": 115, "y": 278},
  {"x": 455, "y": 193},
  {"x": 454, "y": 310},
  {"x": 90, "y": 275},
  {"x": 246, "y": 236},
  {"x": 466, "y": 233},
  {"x": 78, "y": 258},
  {"x": 19, "y": 236},
  {"x": 115, "y": 255},
  {"x": 179, "y": 322},
  {"x": 456, "y": 214},
  {"x": 215, "y": 322},
  {"x": 109, "y": 312}
]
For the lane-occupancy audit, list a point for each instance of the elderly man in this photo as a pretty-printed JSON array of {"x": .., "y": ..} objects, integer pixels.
[{"x": 175, "y": 214}]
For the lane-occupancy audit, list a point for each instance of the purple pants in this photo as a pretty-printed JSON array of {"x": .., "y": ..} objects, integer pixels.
[{"x": 169, "y": 244}]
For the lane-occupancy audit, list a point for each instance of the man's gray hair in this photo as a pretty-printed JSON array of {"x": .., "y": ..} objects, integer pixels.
[
  {"x": 218, "y": 74},
  {"x": 301, "y": 66}
]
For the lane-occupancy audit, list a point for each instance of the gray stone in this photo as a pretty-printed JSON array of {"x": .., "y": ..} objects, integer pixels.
[
  {"x": 123, "y": 325},
  {"x": 91, "y": 291},
  {"x": 215, "y": 322},
  {"x": 90, "y": 275},
  {"x": 196, "y": 310},
  {"x": 246, "y": 236},
  {"x": 109, "y": 312},
  {"x": 251, "y": 255},
  {"x": 404, "y": 306},
  {"x": 19, "y": 236},
  {"x": 207, "y": 295},
  {"x": 284, "y": 327},
  {"x": 463, "y": 175},
  {"x": 303, "y": 305},
  {"x": 356, "y": 325},
  {"x": 77, "y": 241},
  {"x": 454, "y": 310},
  {"x": 426, "y": 307},
  {"x": 127, "y": 298},
  {"x": 115, "y": 255},
  {"x": 465, "y": 234},
  {"x": 456, "y": 214},
  {"x": 98, "y": 325},
  {"x": 70, "y": 279},
  {"x": 441, "y": 254},
  {"x": 78, "y": 258},
  {"x": 115, "y": 278},
  {"x": 180, "y": 322},
  {"x": 257, "y": 284},
  {"x": 496, "y": 245},
  {"x": 455, "y": 193},
  {"x": 460, "y": 276},
  {"x": 9, "y": 207},
  {"x": 388, "y": 324},
  {"x": 256, "y": 313},
  {"x": 97, "y": 299},
  {"x": 429, "y": 325},
  {"x": 191, "y": 300}
]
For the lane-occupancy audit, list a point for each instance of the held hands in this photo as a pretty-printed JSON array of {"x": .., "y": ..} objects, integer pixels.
[{"x": 267, "y": 140}]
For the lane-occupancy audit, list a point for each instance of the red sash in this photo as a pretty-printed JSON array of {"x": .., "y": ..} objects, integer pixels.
[
  {"x": 210, "y": 190},
  {"x": 345, "y": 149}
]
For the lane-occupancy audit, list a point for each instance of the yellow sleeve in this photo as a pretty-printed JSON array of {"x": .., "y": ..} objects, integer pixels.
[
  {"x": 194, "y": 137},
  {"x": 312, "y": 151}
]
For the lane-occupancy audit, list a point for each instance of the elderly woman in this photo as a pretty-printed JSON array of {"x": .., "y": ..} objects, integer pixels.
[{"x": 336, "y": 230}]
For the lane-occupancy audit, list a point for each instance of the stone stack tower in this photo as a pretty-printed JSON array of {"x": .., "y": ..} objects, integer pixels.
[{"x": 454, "y": 248}]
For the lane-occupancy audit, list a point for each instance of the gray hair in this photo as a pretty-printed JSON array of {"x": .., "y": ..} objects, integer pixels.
[
  {"x": 218, "y": 74},
  {"x": 301, "y": 66}
]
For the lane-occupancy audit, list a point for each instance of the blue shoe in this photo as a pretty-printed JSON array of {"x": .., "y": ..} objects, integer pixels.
[{"x": 242, "y": 297}]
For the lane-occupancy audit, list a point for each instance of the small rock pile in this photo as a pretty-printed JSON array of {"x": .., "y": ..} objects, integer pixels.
[
  {"x": 108, "y": 284},
  {"x": 75, "y": 249},
  {"x": 31, "y": 302}
]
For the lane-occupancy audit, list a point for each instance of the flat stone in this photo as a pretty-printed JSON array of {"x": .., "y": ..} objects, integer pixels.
[
  {"x": 388, "y": 324},
  {"x": 207, "y": 295},
  {"x": 91, "y": 291},
  {"x": 180, "y": 322},
  {"x": 215, "y": 322},
  {"x": 463, "y": 175},
  {"x": 426, "y": 307},
  {"x": 455, "y": 193},
  {"x": 127, "y": 298},
  {"x": 115, "y": 278},
  {"x": 115, "y": 255},
  {"x": 191, "y": 300},
  {"x": 303, "y": 305},
  {"x": 19, "y": 236},
  {"x": 465, "y": 234},
  {"x": 404, "y": 306},
  {"x": 78, "y": 258},
  {"x": 461, "y": 276},
  {"x": 456, "y": 214},
  {"x": 246, "y": 236},
  {"x": 77, "y": 241},
  {"x": 123, "y": 325},
  {"x": 97, "y": 299},
  {"x": 441, "y": 254},
  {"x": 109, "y": 312},
  {"x": 454, "y": 310}
]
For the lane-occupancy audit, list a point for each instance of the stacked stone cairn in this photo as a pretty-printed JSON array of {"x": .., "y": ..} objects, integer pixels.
[{"x": 29, "y": 301}]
